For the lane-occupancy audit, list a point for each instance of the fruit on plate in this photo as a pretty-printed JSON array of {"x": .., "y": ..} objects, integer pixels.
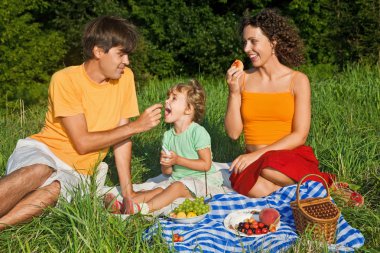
[
  {"x": 190, "y": 215},
  {"x": 190, "y": 208},
  {"x": 269, "y": 216},
  {"x": 181, "y": 215},
  {"x": 253, "y": 227},
  {"x": 238, "y": 64}
]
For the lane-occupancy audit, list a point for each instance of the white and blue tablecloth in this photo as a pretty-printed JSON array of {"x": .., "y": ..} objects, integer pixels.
[{"x": 210, "y": 235}]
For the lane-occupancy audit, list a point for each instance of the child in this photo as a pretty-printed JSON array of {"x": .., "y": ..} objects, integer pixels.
[{"x": 189, "y": 157}]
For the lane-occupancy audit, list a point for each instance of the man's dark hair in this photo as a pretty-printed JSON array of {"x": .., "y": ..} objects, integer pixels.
[{"x": 107, "y": 32}]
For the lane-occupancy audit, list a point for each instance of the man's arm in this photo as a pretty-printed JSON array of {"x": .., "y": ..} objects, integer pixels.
[
  {"x": 85, "y": 142},
  {"x": 123, "y": 157}
]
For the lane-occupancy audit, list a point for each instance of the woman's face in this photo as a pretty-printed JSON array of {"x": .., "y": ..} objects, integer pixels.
[{"x": 257, "y": 46}]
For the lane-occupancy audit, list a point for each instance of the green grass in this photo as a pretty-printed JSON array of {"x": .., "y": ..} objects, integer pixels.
[{"x": 344, "y": 134}]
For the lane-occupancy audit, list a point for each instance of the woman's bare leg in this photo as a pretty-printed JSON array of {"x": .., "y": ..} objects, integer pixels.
[
  {"x": 270, "y": 180},
  {"x": 262, "y": 188},
  {"x": 276, "y": 177},
  {"x": 32, "y": 205}
]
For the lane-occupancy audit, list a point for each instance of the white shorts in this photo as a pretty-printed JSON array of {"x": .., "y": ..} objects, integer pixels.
[
  {"x": 196, "y": 186},
  {"x": 29, "y": 151}
]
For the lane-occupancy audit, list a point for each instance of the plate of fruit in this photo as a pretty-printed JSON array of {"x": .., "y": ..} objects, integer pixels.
[
  {"x": 190, "y": 211},
  {"x": 253, "y": 222}
]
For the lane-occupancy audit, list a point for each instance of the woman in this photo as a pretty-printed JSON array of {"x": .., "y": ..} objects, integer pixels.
[{"x": 270, "y": 103}]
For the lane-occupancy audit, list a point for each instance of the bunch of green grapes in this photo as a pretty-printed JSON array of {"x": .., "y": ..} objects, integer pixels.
[{"x": 196, "y": 206}]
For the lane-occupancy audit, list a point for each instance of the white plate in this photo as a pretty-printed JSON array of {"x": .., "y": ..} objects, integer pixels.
[
  {"x": 190, "y": 220},
  {"x": 236, "y": 217}
]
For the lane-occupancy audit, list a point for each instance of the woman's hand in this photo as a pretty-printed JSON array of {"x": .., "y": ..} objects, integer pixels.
[
  {"x": 232, "y": 78},
  {"x": 243, "y": 161},
  {"x": 167, "y": 160}
]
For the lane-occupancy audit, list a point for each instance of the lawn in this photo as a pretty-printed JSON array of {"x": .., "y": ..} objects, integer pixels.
[{"x": 345, "y": 135}]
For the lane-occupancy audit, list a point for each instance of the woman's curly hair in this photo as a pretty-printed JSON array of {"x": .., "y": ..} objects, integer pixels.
[
  {"x": 196, "y": 97},
  {"x": 289, "y": 46}
]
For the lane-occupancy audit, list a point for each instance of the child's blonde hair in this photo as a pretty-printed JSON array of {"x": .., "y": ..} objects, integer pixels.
[{"x": 196, "y": 97}]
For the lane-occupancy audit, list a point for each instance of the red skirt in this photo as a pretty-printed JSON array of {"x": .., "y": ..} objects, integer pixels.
[{"x": 294, "y": 163}]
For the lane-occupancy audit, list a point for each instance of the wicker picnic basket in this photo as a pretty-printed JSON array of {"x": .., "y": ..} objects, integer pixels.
[{"x": 316, "y": 216}]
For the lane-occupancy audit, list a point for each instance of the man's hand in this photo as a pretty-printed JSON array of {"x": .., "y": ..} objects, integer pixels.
[
  {"x": 148, "y": 119},
  {"x": 128, "y": 206}
]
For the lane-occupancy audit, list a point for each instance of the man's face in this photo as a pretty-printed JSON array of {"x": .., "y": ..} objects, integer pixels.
[{"x": 112, "y": 64}]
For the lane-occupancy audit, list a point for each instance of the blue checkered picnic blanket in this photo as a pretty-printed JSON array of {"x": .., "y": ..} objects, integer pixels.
[{"x": 210, "y": 235}]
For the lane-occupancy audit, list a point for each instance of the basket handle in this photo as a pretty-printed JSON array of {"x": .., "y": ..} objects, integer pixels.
[{"x": 300, "y": 182}]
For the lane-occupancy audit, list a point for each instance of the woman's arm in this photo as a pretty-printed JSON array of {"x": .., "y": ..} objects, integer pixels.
[
  {"x": 232, "y": 121},
  {"x": 300, "y": 126},
  {"x": 203, "y": 163}
]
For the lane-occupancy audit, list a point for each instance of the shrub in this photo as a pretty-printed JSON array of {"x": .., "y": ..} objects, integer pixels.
[{"x": 28, "y": 54}]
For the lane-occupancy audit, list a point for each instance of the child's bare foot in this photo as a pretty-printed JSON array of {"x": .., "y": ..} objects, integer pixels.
[
  {"x": 112, "y": 204},
  {"x": 131, "y": 207}
]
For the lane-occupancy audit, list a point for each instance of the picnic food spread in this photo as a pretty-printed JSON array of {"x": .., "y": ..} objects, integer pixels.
[
  {"x": 190, "y": 209},
  {"x": 253, "y": 222}
]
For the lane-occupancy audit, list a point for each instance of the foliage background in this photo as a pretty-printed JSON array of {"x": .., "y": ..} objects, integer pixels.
[{"x": 178, "y": 37}]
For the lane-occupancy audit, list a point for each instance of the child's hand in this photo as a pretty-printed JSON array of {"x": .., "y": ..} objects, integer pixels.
[{"x": 168, "y": 160}]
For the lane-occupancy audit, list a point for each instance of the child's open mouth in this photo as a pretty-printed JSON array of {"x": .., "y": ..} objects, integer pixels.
[{"x": 167, "y": 111}]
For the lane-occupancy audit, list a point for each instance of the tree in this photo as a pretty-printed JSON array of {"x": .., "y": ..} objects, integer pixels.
[{"x": 28, "y": 54}]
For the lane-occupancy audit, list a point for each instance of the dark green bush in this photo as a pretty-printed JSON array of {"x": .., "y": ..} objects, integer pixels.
[
  {"x": 28, "y": 54},
  {"x": 178, "y": 37}
]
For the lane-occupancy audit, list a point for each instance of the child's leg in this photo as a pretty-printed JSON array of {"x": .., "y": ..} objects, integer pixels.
[
  {"x": 115, "y": 206},
  {"x": 145, "y": 196},
  {"x": 174, "y": 191}
]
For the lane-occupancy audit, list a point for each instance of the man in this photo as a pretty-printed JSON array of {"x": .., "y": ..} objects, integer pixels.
[{"x": 88, "y": 111}]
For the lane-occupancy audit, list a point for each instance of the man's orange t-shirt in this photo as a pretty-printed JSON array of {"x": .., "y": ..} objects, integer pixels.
[{"x": 72, "y": 92}]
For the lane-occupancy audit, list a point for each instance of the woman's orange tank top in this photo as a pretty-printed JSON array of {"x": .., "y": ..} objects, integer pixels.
[{"x": 267, "y": 117}]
